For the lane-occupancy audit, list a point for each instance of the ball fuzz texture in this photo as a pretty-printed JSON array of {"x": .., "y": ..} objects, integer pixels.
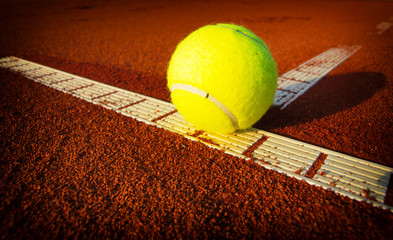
[{"x": 222, "y": 78}]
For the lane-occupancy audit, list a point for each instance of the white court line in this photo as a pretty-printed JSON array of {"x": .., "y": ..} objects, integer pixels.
[
  {"x": 383, "y": 26},
  {"x": 352, "y": 177},
  {"x": 294, "y": 83}
]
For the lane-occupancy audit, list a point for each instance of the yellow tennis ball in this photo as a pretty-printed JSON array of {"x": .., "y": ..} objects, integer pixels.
[{"x": 222, "y": 78}]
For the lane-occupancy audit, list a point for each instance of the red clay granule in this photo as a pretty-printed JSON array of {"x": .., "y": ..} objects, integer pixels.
[
  {"x": 317, "y": 164},
  {"x": 132, "y": 104},
  {"x": 164, "y": 116},
  {"x": 254, "y": 146},
  {"x": 263, "y": 161},
  {"x": 323, "y": 173},
  {"x": 366, "y": 194},
  {"x": 208, "y": 140},
  {"x": 299, "y": 170},
  {"x": 196, "y": 133}
]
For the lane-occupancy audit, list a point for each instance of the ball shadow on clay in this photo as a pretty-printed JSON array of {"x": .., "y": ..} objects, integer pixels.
[{"x": 330, "y": 95}]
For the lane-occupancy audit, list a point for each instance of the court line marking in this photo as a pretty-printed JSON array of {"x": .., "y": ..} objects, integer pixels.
[
  {"x": 297, "y": 81},
  {"x": 383, "y": 26},
  {"x": 346, "y": 175}
]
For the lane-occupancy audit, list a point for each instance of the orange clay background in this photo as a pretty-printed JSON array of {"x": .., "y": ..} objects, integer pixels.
[{"x": 73, "y": 169}]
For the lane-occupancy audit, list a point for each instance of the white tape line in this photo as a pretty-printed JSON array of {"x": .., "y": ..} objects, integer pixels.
[{"x": 383, "y": 26}]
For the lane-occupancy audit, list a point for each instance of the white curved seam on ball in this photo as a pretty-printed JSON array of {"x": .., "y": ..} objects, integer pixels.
[
  {"x": 238, "y": 31},
  {"x": 200, "y": 92}
]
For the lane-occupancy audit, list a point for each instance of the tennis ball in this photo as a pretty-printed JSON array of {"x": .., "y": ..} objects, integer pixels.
[{"x": 222, "y": 78}]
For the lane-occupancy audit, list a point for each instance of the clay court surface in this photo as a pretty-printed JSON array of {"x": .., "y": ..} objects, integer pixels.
[{"x": 72, "y": 169}]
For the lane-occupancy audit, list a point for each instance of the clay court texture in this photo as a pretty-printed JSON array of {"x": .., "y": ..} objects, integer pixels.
[{"x": 73, "y": 169}]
